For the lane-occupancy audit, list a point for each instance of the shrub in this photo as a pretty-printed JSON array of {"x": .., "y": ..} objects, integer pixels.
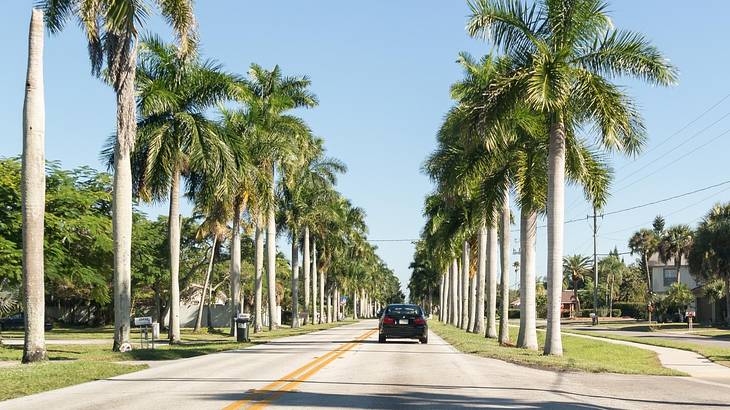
[
  {"x": 636, "y": 310},
  {"x": 602, "y": 312},
  {"x": 513, "y": 314}
]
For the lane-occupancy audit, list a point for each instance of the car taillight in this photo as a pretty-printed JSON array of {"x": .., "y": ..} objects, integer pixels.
[
  {"x": 419, "y": 321},
  {"x": 388, "y": 320}
]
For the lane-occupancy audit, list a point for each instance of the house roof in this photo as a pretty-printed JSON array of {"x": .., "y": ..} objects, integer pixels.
[{"x": 567, "y": 297}]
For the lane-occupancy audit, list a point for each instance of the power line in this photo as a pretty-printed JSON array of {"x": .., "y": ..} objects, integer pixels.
[
  {"x": 689, "y": 124},
  {"x": 618, "y": 211},
  {"x": 666, "y": 199},
  {"x": 673, "y": 160}
]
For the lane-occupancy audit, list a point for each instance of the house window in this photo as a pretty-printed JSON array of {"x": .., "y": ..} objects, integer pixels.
[{"x": 670, "y": 276}]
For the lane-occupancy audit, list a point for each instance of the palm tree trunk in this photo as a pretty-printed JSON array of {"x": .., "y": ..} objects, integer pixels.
[
  {"x": 441, "y": 298},
  {"x": 575, "y": 295},
  {"x": 173, "y": 228},
  {"x": 727, "y": 299},
  {"x": 528, "y": 234},
  {"x": 481, "y": 279},
  {"x": 305, "y": 256},
  {"x": 354, "y": 304},
  {"x": 314, "y": 281},
  {"x": 33, "y": 181},
  {"x": 454, "y": 292},
  {"x": 465, "y": 286},
  {"x": 235, "y": 273},
  {"x": 294, "y": 280},
  {"x": 271, "y": 253},
  {"x": 459, "y": 292},
  {"x": 322, "y": 317},
  {"x": 505, "y": 268},
  {"x": 678, "y": 265},
  {"x": 446, "y": 302},
  {"x": 556, "y": 219},
  {"x": 472, "y": 303},
  {"x": 122, "y": 196},
  {"x": 199, "y": 318},
  {"x": 259, "y": 276},
  {"x": 336, "y": 300},
  {"x": 649, "y": 287},
  {"x": 329, "y": 306},
  {"x": 491, "y": 284}
]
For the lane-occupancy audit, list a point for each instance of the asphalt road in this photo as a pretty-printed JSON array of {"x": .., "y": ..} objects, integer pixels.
[{"x": 346, "y": 368}]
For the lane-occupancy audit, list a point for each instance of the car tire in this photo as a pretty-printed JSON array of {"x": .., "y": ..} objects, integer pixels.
[
  {"x": 424, "y": 340},
  {"x": 381, "y": 339}
]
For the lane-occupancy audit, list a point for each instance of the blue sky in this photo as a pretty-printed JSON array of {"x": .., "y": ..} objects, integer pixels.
[{"x": 382, "y": 71}]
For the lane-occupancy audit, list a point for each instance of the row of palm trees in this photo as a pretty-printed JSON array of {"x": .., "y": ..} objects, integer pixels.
[
  {"x": 231, "y": 145},
  {"x": 515, "y": 134}
]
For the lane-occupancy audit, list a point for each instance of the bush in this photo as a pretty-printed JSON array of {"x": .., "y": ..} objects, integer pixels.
[
  {"x": 513, "y": 314},
  {"x": 636, "y": 310},
  {"x": 602, "y": 312}
]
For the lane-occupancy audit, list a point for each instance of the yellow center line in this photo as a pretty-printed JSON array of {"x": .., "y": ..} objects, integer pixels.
[
  {"x": 294, "y": 383},
  {"x": 257, "y": 394}
]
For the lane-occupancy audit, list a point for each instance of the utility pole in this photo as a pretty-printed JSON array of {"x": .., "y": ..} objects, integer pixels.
[{"x": 595, "y": 268}]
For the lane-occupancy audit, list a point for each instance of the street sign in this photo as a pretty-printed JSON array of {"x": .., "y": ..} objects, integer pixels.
[
  {"x": 691, "y": 313},
  {"x": 143, "y": 321}
]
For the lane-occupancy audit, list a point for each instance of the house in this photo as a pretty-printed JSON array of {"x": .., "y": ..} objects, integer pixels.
[
  {"x": 663, "y": 275},
  {"x": 568, "y": 304}
]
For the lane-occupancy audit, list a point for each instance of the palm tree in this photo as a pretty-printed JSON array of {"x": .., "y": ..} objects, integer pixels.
[
  {"x": 33, "y": 188},
  {"x": 575, "y": 268},
  {"x": 111, "y": 28},
  {"x": 301, "y": 182},
  {"x": 710, "y": 254},
  {"x": 271, "y": 95},
  {"x": 174, "y": 136},
  {"x": 676, "y": 244},
  {"x": 565, "y": 54},
  {"x": 645, "y": 243}
]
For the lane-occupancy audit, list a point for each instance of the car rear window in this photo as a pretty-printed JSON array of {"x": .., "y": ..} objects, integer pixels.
[{"x": 403, "y": 310}]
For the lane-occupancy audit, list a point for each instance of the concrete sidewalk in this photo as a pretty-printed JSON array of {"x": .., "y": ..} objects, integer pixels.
[
  {"x": 682, "y": 360},
  {"x": 685, "y": 337}
]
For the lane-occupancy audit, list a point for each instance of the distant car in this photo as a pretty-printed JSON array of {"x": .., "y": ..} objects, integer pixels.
[
  {"x": 17, "y": 321},
  {"x": 403, "y": 322}
]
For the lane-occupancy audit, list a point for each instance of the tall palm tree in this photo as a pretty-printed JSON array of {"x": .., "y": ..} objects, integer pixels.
[
  {"x": 111, "y": 28},
  {"x": 710, "y": 254},
  {"x": 175, "y": 138},
  {"x": 271, "y": 95},
  {"x": 33, "y": 189},
  {"x": 645, "y": 243},
  {"x": 675, "y": 244},
  {"x": 575, "y": 268},
  {"x": 245, "y": 188},
  {"x": 565, "y": 54},
  {"x": 302, "y": 181}
]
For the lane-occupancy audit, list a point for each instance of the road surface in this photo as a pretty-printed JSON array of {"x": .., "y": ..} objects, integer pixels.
[{"x": 345, "y": 367}]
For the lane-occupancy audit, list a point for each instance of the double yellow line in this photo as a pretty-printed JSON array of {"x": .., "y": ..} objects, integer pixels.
[{"x": 260, "y": 398}]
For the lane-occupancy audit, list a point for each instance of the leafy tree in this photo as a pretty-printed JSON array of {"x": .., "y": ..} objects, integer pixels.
[
  {"x": 675, "y": 244},
  {"x": 575, "y": 269},
  {"x": 710, "y": 254}
]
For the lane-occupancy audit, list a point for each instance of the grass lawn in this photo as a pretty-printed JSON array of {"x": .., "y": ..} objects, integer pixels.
[
  {"x": 22, "y": 380},
  {"x": 74, "y": 363},
  {"x": 716, "y": 354},
  {"x": 579, "y": 354}
]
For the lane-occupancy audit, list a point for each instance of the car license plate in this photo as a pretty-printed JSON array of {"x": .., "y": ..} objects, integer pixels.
[{"x": 403, "y": 322}]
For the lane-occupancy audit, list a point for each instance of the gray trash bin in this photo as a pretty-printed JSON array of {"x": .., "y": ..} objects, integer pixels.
[{"x": 242, "y": 321}]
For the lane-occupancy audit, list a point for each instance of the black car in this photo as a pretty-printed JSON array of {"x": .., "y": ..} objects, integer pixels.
[
  {"x": 17, "y": 321},
  {"x": 403, "y": 322}
]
